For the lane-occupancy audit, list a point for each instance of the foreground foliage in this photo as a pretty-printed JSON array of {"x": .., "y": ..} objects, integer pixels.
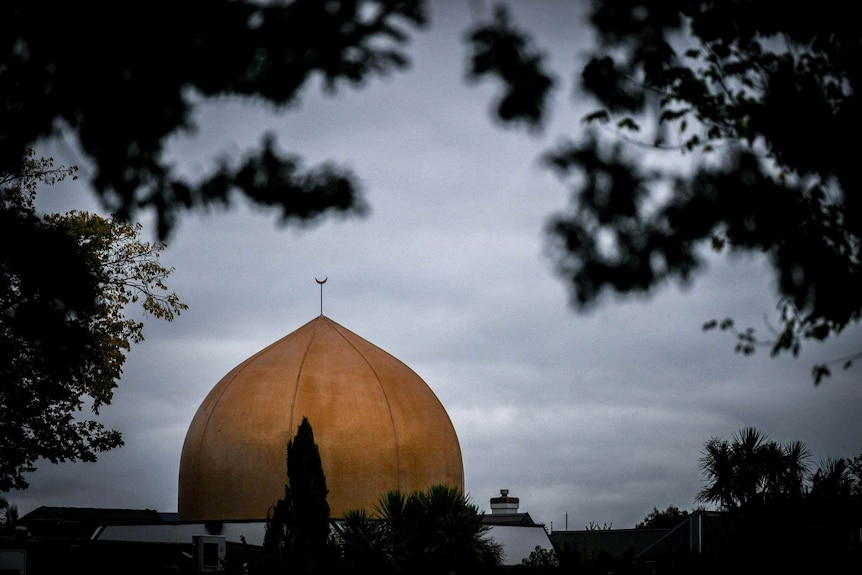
[
  {"x": 437, "y": 531},
  {"x": 66, "y": 284},
  {"x": 753, "y": 105},
  {"x": 121, "y": 106},
  {"x": 720, "y": 125}
]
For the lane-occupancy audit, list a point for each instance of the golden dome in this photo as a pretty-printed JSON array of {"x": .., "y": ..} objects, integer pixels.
[{"x": 378, "y": 426}]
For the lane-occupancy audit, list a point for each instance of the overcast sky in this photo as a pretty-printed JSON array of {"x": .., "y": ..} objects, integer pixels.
[{"x": 588, "y": 419}]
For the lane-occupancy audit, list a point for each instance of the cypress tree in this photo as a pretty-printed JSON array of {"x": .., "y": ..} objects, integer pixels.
[
  {"x": 310, "y": 509},
  {"x": 297, "y": 529}
]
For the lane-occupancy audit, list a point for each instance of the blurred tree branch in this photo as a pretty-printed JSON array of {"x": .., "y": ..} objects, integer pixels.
[{"x": 758, "y": 106}]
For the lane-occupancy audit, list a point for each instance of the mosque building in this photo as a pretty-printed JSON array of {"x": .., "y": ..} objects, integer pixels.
[{"x": 378, "y": 426}]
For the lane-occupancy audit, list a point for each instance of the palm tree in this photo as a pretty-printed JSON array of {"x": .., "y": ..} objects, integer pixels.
[
  {"x": 774, "y": 467},
  {"x": 797, "y": 470},
  {"x": 750, "y": 468},
  {"x": 833, "y": 479},
  {"x": 366, "y": 543},
  {"x": 751, "y": 455},
  {"x": 448, "y": 533},
  {"x": 392, "y": 507},
  {"x": 717, "y": 465},
  {"x": 427, "y": 532},
  {"x": 855, "y": 466}
]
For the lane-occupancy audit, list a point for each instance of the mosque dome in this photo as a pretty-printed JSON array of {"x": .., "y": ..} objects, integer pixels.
[{"x": 377, "y": 424}]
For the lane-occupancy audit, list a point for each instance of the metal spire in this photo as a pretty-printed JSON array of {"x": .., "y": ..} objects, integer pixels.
[{"x": 321, "y": 282}]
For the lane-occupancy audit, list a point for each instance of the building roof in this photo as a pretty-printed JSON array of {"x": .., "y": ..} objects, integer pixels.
[
  {"x": 614, "y": 543},
  {"x": 82, "y": 522},
  {"x": 522, "y": 519},
  {"x": 701, "y": 533},
  {"x": 378, "y": 426}
]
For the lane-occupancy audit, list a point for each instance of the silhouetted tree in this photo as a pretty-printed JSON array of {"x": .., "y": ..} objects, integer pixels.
[
  {"x": 541, "y": 560},
  {"x": 366, "y": 543},
  {"x": 792, "y": 468},
  {"x": 446, "y": 533},
  {"x": 308, "y": 490},
  {"x": 437, "y": 531},
  {"x": 782, "y": 518},
  {"x": 8, "y": 514},
  {"x": 855, "y": 466},
  {"x": 297, "y": 538},
  {"x": 278, "y": 538},
  {"x": 751, "y": 467},
  {"x": 670, "y": 517},
  {"x": 833, "y": 479}
]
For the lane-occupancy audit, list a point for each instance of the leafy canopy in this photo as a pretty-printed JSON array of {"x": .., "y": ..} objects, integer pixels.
[
  {"x": 67, "y": 282},
  {"x": 121, "y": 90},
  {"x": 756, "y": 108}
]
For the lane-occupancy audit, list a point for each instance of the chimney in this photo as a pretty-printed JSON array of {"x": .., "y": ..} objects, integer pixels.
[{"x": 504, "y": 504}]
